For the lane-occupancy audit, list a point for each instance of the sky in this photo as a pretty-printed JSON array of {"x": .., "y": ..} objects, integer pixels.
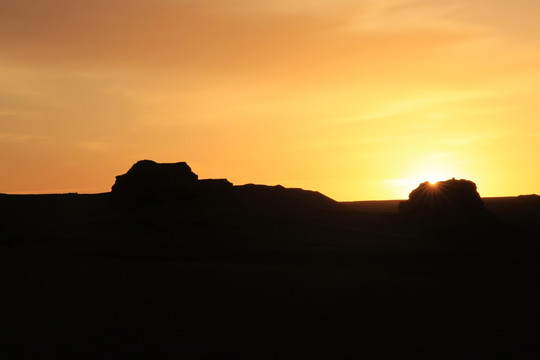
[{"x": 357, "y": 99}]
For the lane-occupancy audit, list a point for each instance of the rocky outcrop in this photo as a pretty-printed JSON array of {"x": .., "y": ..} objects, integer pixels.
[
  {"x": 444, "y": 197},
  {"x": 214, "y": 184},
  {"x": 148, "y": 182},
  {"x": 263, "y": 198},
  {"x": 147, "y": 177}
]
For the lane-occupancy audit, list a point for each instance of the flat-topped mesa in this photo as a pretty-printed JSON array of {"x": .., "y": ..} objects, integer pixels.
[
  {"x": 148, "y": 182},
  {"x": 146, "y": 177},
  {"x": 444, "y": 197}
]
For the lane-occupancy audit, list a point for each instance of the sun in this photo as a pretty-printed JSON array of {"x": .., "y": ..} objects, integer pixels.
[
  {"x": 433, "y": 173},
  {"x": 433, "y": 170},
  {"x": 432, "y": 177}
]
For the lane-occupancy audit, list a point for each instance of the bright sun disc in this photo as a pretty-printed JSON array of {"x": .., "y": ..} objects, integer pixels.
[{"x": 433, "y": 174}]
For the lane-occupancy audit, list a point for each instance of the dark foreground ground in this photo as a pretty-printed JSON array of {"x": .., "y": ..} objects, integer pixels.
[{"x": 87, "y": 280}]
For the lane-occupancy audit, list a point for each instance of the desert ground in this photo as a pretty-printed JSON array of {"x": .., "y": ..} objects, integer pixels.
[{"x": 266, "y": 277}]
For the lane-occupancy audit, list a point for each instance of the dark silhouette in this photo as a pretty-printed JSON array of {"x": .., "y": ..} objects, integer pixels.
[
  {"x": 149, "y": 177},
  {"x": 172, "y": 267},
  {"x": 150, "y": 182},
  {"x": 452, "y": 208},
  {"x": 448, "y": 196}
]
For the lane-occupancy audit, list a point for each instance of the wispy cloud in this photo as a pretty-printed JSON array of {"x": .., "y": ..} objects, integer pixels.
[
  {"x": 424, "y": 101},
  {"x": 392, "y": 15},
  {"x": 469, "y": 139},
  {"x": 21, "y": 137},
  {"x": 94, "y": 146}
]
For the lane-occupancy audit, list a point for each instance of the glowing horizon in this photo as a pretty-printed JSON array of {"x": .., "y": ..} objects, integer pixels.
[{"x": 359, "y": 100}]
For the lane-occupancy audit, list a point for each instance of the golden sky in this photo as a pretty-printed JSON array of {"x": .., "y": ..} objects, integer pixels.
[{"x": 356, "y": 99}]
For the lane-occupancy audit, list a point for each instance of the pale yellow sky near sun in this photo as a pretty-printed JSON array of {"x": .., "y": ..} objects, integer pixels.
[{"x": 356, "y": 99}]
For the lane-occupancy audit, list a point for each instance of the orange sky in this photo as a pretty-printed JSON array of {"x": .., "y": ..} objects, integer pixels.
[{"x": 356, "y": 99}]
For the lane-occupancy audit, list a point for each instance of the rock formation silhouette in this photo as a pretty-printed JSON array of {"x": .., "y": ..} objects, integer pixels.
[
  {"x": 146, "y": 177},
  {"x": 444, "y": 197},
  {"x": 148, "y": 180}
]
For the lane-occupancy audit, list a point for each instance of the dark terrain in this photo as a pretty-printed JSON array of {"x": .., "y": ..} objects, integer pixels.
[{"x": 202, "y": 269}]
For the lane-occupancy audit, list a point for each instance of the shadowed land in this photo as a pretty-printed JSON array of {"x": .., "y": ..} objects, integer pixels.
[{"x": 170, "y": 266}]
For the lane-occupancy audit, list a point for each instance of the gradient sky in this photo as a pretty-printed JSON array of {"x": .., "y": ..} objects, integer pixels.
[{"x": 356, "y": 99}]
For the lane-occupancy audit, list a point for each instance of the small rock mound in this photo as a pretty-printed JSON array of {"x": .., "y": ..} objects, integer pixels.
[
  {"x": 148, "y": 177},
  {"x": 444, "y": 197}
]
